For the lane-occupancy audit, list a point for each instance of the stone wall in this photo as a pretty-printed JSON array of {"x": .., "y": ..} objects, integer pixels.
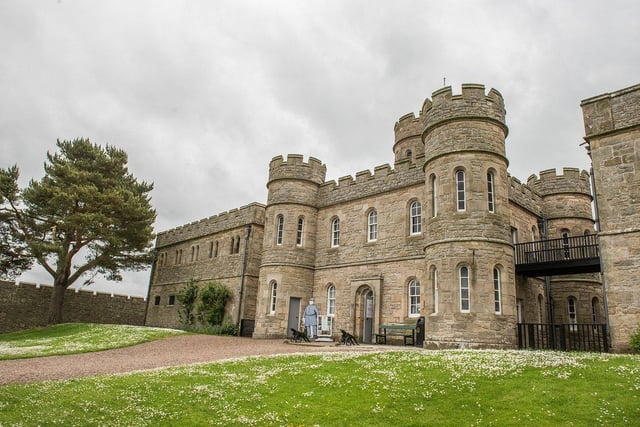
[
  {"x": 612, "y": 128},
  {"x": 26, "y": 306}
]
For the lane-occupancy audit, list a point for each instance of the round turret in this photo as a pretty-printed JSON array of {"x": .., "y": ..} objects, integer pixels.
[
  {"x": 566, "y": 201},
  {"x": 290, "y": 229},
  {"x": 408, "y": 137},
  {"x": 468, "y": 228}
]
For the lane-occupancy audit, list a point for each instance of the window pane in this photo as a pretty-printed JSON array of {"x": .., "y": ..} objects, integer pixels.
[
  {"x": 490, "y": 191},
  {"x": 496, "y": 289},
  {"x": 461, "y": 190},
  {"x": 416, "y": 218},
  {"x": 464, "y": 289}
]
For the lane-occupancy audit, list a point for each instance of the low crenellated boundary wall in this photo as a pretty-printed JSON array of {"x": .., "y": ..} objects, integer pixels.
[{"x": 26, "y": 305}]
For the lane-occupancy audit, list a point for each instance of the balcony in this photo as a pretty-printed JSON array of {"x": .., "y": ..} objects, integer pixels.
[{"x": 567, "y": 255}]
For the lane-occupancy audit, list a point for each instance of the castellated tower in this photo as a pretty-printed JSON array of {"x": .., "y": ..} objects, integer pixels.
[
  {"x": 469, "y": 254},
  {"x": 566, "y": 201},
  {"x": 288, "y": 257},
  {"x": 567, "y": 213},
  {"x": 408, "y": 138}
]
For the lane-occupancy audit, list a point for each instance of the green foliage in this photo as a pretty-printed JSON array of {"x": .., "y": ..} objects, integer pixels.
[
  {"x": 635, "y": 341},
  {"x": 87, "y": 203},
  {"x": 71, "y": 338},
  {"x": 187, "y": 297},
  {"x": 405, "y": 388},
  {"x": 213, "y": 300}
]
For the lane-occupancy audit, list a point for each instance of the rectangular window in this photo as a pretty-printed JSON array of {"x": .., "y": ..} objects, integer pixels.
[
  {"x": 156, "y": 300},
  {"x": 514, "y": 235},
  {"x": 172, "y": 299}
]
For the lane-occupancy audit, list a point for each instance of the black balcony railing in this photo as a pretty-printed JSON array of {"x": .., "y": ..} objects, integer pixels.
[
  {"x": 567, "y": 255},
  {"x": 567, "y": 337}
]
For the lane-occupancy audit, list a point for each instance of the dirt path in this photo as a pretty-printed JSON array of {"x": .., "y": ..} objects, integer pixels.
[{"x": 172, "y": 351}]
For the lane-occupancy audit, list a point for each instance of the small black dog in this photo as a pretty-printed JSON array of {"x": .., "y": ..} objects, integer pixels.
[
  {"x": 347, "y": 338},
  {"x": 299, "y": 336}
]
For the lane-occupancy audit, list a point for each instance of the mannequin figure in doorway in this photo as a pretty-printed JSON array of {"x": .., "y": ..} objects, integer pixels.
[{"x": 311, "y": 319}]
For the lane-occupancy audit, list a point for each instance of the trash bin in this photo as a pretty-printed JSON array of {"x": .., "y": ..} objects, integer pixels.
[{"x": 420, "y": 332}]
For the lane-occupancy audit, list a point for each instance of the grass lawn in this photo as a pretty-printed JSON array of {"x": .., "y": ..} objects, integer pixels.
[
  {"x": 71, "y": 338},
  {"x": 400, "y": 388}
]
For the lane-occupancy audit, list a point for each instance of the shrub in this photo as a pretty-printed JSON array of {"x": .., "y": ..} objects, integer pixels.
[
  {"x": 213, "y": 300},
  {"x": 635, "y": 340},
  {"x": 187, "y": 297}
]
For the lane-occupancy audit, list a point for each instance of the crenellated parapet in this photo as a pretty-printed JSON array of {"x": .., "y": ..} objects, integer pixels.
[
  {"x": 235, "y": 218},
  {"x": 408, "y": 126},
  {"x": 522, "y": 195},
  {"x": 366, "y": 184},
  {"x": 572, "y": 180},
  {"x": 294, "y": 167},
  {"x": 471, "y": 104}
]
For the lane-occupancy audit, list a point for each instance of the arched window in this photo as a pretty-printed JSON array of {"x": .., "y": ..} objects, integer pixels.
[
  {"x": 210, "y": 249},
  {"x": 434, "y": 196},
  {"x": 414, "y": 298},
  {"x": 434, "y": 288},
  {"x": 372, "y": 221},
  {"x": 496, "y": 291},
  {"x": 279, "y": 229},
  {"x": 533, "y": 233},
  {"x": 460, "y": 191},
  {"x": 490, "y": 192},
  {"x": 236, "y": 248},
  {"x": 408, "y": 154},
  {"x": 300, "y": 231},
  {"x": 215, "y": 252},
  {"x": 463, "y": 275},
  {"x": 233, "y": 245},
  {"x": 331, "y": 300},
  {"x": 565, "y": 243},
  {"x": 415, "y": 213},
  {"x": 573, "y": 314},
  {"x": 272, "y": 302},
  {"x": 335, "y": 232}
]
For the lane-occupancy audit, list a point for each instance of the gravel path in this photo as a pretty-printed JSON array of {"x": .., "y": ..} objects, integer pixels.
[{"x": 172, "y": 351}]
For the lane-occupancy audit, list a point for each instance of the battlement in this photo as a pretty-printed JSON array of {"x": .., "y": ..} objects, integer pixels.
[
  {"x": 611, "y": 111},
  {"x": 295, "y": 168},
  {"x": 234, "y": 218},
  {"x": 522, "y": 195},
  {"x": 572, "y": 180},
  {"x": 472, "y": 103},
  {"x": 408, "y": 126},
  {"x": 383, "y": 179}
]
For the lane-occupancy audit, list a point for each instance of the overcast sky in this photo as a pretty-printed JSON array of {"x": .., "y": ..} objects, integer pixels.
[{"x": 202, "y": 94}]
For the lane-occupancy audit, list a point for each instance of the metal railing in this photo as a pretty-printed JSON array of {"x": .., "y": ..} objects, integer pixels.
[
  {"x": 558, "y": 250},
  {"x": 566, "y": 337}
]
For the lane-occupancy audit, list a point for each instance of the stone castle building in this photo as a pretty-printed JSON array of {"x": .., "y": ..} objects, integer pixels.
[{"x": 432, "y": 237}]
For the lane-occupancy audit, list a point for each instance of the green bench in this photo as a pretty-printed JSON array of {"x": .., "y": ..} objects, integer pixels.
[{"x": 407, "y": 332}]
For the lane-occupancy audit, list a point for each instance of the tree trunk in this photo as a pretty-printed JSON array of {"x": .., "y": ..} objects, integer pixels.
[{"x": 55, "y": 308}]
